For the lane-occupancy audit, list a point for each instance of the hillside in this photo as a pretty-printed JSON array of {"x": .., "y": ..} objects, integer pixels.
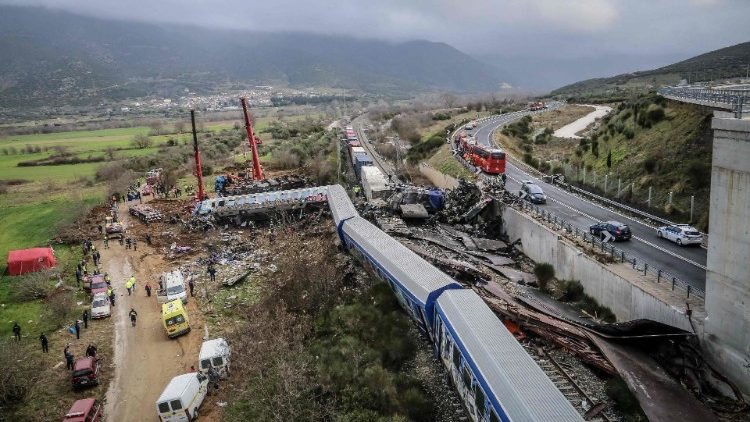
[
  {"x": 654, "y": 143},
  {"x": 729, "y": 62},
  {"x": 65, "y": 58}
]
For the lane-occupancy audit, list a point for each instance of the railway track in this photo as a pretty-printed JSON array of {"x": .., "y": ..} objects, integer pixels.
[
  {"x": 379, "y": 162},
  {"x": 560, "y": 376}
]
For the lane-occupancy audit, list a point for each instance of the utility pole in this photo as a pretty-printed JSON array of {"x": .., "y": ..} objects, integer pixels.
[
  {"x": 606, "y": 176},
  {"x": 649, "y": 197}
]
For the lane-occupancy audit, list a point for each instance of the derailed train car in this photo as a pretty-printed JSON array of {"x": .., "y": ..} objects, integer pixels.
[{"x": 495, "y": 377}]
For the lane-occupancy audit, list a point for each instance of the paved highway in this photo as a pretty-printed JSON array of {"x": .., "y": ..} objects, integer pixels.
[{"x": 685, "y": 263}]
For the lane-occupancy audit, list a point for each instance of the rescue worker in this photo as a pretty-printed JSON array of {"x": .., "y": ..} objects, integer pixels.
[
  {"x": 112, "y": 297},
  {"x": 16, "y": 331},
  {"x": 108, "y": 279},
  {"x": 79, "y": 275},
  {"x": 106, "y": 242},
  {"x": 132, "y": 282},
  {"x": 85, "y": 318},
  {"x": 129, "y": 286},
  {"x": 212, "y": 272},
  {"x": 68, "y": 357},
  {"x": 135, "y": 245},
  {"x": 133, "y": 315},
  {"x": 148, "y": 290},
  {"x": 45, "y": 343}
]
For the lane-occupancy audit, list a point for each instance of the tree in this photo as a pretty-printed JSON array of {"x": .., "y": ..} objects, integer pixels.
[
  {"x": 544, "y": 272},
  {"x": 609, "y": 159},
  {"x": 141, "y": 141},
  {"x": 179, "y": 127}
]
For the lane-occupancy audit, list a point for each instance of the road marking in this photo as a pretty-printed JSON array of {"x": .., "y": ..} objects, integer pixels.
[{"x": 667, "y": 251}]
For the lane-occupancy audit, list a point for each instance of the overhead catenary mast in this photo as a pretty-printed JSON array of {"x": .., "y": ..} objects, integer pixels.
[{"x": 253, "y": 141}]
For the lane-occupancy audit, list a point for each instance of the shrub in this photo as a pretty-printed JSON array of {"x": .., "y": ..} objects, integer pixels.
[
  {"x": 649, "y": 164},
  {"x": 424, "y": 149},
  {"x": 141, "y": 141},
  {"x": 629, "y": 133},
  {"x": 655, "y": 114},
  {"x": 544, "y": 166},
  {"x": 544, "y": 272},
  {"x": 441, "y": 116},
  {"x": 570, "y": 291},
  {"x": 595, "y": 148}
]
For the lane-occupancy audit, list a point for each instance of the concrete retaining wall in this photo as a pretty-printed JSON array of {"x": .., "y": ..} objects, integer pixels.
[{"x": 615, "y": 286}]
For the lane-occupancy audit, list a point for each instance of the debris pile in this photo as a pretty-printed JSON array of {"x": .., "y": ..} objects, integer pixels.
[
  {"x": 145, "y": 213},
  {"x": 243, "y": 184}
]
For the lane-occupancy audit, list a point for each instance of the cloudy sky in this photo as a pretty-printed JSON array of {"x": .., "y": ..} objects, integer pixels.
[{"x": 627, "y": 34}]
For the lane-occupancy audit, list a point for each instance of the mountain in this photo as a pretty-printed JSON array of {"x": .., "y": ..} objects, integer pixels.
[
  {"x": 52, "y": 57},
  {"x": 729, "y": 62}
]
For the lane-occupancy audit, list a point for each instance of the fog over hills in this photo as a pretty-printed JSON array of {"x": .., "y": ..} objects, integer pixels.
[{"x": 57, "y": 57}]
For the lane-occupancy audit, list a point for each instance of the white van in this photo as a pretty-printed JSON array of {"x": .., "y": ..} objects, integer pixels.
[
  {"x": 215, "y": 353},
  {"x": 180, "y": 400},
  {"x": 173, "y": 288}
]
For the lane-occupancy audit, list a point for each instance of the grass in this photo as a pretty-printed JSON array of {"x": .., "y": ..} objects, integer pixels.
[{"x": 444, "y": 162}]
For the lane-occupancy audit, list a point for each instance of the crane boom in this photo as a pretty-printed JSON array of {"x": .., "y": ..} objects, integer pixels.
[
  {"x": 201, "y": 194},
  {"x": 257, "y": 170}
]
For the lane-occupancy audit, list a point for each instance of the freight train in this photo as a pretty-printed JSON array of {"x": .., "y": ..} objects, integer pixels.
[
  {"x": 495, "y": 377},
  {"x": 489, "y": 160}
]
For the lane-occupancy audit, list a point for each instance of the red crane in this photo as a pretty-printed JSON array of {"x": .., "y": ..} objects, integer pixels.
[
  {"x": 257, "y": 170},
  {"x": 201, "y": 194}
]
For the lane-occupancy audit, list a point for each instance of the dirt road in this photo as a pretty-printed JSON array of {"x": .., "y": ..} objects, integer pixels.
[{"x": 145, "y": 359}]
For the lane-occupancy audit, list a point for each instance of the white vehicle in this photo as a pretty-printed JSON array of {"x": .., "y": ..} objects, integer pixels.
[
  {"x": 469, "y": 126},
  {"x": 100, "y": 307},
  {"x": 681, "y": 234},
  {"x": 180, "y": 400},
  {"x": 215, "y": 354},
  {"x": 173, "y": 288}
]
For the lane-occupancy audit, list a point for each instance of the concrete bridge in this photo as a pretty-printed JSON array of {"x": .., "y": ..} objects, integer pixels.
[{"x": 736, "y": 100}]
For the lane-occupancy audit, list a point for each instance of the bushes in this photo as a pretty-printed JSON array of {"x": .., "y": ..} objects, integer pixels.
[
  {"x": 571, "y": 291},
  {"x": 655, "y": 114},
  {"x": 544, "y": 272},
  {"x": 141, "y": 141},
  {"x": 424, "y": 149},
  {"x": 649, "y": 164}
]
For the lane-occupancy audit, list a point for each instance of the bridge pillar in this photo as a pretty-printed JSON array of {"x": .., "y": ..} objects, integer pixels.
[{"x": 727, "y": 327}]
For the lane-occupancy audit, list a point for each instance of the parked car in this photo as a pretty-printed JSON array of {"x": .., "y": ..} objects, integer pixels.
[
  {"x": 619, "y": 231},
  {"x": 681, "y": 234},
  {"x": 98, "y": 285},
  {"x": 215, "y": 354},
  {"x": 181, "y": 398},
  {"x": 84, "y": 410},
  {"x": 89, "y": 279},
  {"x": 86, "y": 372},
  {"x": 532, "y": 192},
  {"x": 100, "y": 306}
]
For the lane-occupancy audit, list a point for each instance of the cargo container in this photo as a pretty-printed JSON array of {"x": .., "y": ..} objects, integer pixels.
[
  {"x": 361, "y": 160},
  {"x": 374, "y": 183}
]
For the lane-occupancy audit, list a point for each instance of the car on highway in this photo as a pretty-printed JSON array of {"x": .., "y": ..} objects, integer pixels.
[
  {"x": 530, "y": 191},
  {"x": 615, "y": 230},
  {"x": 100, "y": 307},
  {"x": 681, "y": 234}
]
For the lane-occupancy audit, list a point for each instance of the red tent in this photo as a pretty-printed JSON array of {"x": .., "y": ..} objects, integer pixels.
[{"x": 29, "y": 260}]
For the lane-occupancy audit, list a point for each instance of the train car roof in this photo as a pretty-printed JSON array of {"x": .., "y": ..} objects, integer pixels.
[
  {"x": 419, "y": 278},
  {"x": 510, "y": 377},
  {"x": 340, "y": 204}
]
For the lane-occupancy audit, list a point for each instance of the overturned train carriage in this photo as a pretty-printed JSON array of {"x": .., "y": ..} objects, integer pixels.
[{"x": 495, "y": 377}]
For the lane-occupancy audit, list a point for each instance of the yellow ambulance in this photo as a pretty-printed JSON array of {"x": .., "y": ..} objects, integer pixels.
[{"x": 175, "y": 318}]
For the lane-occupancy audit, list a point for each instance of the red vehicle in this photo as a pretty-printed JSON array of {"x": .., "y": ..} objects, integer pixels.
[
  {"x": 88, "y": 280},
  {"x": 86, "y": 372},
  {"x": 98, "y": 285},
  {"x": 489, "y": 160},
  {"x": 84, "y": 410}
]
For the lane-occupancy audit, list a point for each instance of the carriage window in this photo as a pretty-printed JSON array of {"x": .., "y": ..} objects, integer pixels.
[
  {"x": 493, "y": 416},
  {"x": 479, "y": 398},
  {"x": 467, "y": 377},
  {"x": 498, "y": 155},
  {"x": 456, "y": 358}
]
